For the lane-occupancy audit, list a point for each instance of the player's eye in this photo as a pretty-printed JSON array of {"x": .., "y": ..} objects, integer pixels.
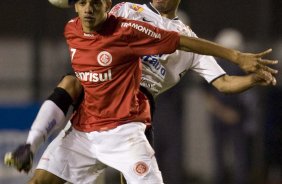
[
  {"x": 97, "y": 2},
  {"x": 82, "y": 2}
]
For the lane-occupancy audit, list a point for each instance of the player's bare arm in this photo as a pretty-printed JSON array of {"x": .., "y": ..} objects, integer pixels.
[
  {"x": 72, "y": 86},
  {"x": 237, "y": 84},
  {"x": 247, "y": 61}
]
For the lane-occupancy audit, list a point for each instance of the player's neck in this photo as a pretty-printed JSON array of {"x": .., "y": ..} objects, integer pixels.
[
  {"x": 169, "y": 15},
  {"x": 164, "y": 11}
]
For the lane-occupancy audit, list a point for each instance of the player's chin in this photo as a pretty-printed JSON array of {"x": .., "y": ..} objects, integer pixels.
[{"x": 89, "y": 22}]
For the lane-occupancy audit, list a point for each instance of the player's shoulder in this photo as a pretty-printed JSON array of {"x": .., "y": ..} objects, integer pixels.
[
  {"x": 183, "y": 28},
  {"x": 70, "y": 26},
  {"x": 72, "y": 22},
  {"x": 132, "y": 27},
  {"x": 117, "y": 8},
  {"x": 126, "y": 7}
]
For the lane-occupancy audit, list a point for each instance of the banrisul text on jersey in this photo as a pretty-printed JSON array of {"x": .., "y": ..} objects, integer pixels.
[{"x": 94, "y": 77}]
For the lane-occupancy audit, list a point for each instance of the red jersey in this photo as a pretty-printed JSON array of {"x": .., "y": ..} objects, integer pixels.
[{"x": 108, "y": 65}]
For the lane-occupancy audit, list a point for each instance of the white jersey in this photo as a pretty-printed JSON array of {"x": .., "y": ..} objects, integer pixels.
[{"x": 161, "y": 72}]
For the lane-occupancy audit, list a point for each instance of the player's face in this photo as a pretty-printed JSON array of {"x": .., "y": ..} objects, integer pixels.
[
  {"x": 92, "y": 13},
  {"x": 166, "y": 6}
]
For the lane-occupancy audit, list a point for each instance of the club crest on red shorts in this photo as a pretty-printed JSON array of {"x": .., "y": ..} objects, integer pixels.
[{"x": 140, "y": 168}]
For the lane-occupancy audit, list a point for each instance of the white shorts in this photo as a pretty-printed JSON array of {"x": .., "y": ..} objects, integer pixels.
[{"x": 80, "y": 157}]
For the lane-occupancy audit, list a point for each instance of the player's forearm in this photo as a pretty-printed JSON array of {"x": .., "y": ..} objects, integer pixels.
[
  {"x": 49, "y": 118},
  {"x": 205, "y": 47},
  {"x": 52, "y": 115},
  {"x": 234, "y": 84}
]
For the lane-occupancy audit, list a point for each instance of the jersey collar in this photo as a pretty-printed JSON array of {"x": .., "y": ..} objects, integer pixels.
[{"x": 149, "y": 5}]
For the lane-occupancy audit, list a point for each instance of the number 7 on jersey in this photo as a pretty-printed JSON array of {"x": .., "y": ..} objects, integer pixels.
[{"x": 72, "y": 52}]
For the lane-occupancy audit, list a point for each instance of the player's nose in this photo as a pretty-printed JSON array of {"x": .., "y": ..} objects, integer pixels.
[{"x": 88, "y": 8}]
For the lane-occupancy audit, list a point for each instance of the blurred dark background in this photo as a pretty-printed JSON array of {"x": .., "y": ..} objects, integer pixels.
[
  {"x": 256, "y": 19},
  {"x": 34, "y": 57}
]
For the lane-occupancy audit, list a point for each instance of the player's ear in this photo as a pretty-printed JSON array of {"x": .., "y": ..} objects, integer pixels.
[{"x": 109, "y": 5}]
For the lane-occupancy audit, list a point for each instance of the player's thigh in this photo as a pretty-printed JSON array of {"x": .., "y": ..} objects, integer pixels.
[
  {"x": 127, "y": 150},
  {"x": 69, "y": 157},
  {"x": 44, "y": 177}
]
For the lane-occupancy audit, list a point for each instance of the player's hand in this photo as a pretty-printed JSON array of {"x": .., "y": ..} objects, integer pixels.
[
  {"x": 264, "y": 78},
  {"x": 21, "y": 158},
  {"x": 151, "y": 84},
  {"x": 254, "y": 62}
]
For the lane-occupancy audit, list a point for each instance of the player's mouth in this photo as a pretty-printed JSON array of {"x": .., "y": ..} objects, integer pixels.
[{"x": 88, "y": 18}]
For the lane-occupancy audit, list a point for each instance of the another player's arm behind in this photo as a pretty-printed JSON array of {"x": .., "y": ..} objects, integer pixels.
[{"x": 53, "y": 115}]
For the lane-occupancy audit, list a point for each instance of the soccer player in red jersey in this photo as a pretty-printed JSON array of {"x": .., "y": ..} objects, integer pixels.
[{"x": 108, "y": 127}]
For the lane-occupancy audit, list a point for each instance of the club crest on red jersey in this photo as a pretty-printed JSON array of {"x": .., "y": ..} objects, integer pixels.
[
  {"x": 141, "y": 168},
  {"x": 104, "y": 58}
]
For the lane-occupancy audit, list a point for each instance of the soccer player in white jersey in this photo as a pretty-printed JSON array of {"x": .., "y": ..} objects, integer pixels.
[{"x": 153, "y": 81}]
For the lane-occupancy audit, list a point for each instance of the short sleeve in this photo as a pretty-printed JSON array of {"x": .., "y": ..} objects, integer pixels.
[
  {"x": 207, "y": 67},
  {"x": 145, "y": 39}
]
